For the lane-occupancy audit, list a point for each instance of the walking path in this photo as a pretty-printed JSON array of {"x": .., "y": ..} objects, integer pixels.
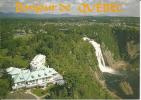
[{"x": 29, "y": 92}]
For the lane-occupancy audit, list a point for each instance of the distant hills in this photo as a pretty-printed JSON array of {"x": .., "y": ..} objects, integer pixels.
[
  {"x": 39, "y": 16},
  {"x": 27, "y": 15}
]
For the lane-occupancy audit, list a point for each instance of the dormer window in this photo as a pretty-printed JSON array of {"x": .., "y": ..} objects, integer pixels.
[
  {"x": 39, "y": 75},
  {"x": 32, "y": 76}
]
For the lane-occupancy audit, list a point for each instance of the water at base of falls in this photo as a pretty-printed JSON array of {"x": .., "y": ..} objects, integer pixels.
[{"x": 99, "y": 56}]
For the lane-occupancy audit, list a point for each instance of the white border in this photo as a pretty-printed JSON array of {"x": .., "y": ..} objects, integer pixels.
[{"x": 140, "y": 48}]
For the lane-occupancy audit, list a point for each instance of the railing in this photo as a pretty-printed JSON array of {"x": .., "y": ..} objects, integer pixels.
[
  {"x": 17, "y": 87},
  {"x": 53, "y": 80}
]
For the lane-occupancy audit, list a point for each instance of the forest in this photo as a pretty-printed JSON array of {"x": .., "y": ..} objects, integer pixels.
[{"x": 60, "y": 39}]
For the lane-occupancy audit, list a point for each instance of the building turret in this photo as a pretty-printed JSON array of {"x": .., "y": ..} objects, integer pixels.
[{"x": 38, "y": 61}]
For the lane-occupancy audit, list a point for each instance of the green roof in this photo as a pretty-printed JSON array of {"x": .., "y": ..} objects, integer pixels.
[{"x": 20, "y": 75}]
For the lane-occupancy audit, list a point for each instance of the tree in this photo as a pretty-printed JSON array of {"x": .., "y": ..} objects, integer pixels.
[{"x": 4, "y": 87}]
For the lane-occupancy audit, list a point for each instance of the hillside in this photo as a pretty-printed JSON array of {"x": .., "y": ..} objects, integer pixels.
[{"x": 61, "y": 40}]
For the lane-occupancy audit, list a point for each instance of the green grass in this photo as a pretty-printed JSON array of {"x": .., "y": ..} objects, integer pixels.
[{"x": 38, "y": 91}]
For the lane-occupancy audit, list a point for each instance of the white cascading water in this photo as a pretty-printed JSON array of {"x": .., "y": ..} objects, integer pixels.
[{"x": 99, "y": 56}]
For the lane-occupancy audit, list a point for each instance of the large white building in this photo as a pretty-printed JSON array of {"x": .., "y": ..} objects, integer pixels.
[{"x": 37, "y": 75}]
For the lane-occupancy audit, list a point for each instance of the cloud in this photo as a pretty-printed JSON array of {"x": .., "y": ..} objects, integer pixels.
[{"x": 131, "y": 7}]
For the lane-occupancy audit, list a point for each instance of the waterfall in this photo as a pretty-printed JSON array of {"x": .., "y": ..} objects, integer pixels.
[{"x": 99, "y": 56}]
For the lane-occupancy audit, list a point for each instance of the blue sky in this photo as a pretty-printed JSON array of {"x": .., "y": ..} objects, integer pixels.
[{"x": 131, "y": 7}]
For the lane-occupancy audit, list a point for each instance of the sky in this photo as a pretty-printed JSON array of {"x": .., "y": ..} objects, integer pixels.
[{"x": 130, "y": 7}]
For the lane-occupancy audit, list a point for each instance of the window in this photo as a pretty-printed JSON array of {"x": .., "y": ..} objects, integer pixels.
[
  {"x": 32, "y": 76},
  {"x": 54, "y": 74},
  {"x": 39, "y": 75},
  {"x": 18, "y": 83},
  {"x": 26, "y": 82}
]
